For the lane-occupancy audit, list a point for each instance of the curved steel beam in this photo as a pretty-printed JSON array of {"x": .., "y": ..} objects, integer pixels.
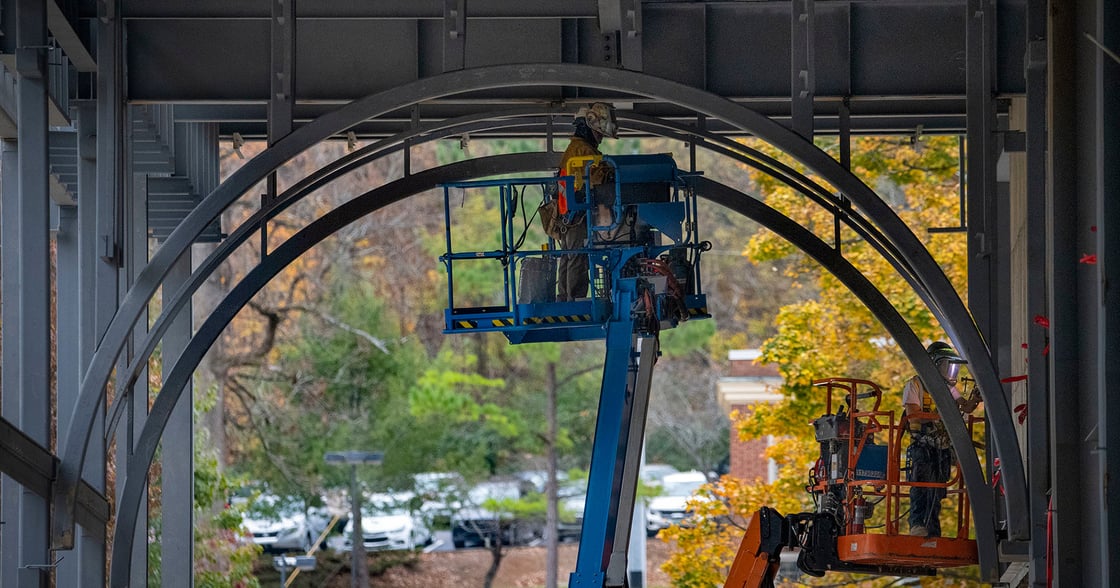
[
  {"x": 953, "y": 314},
  {"x": 528, "y": 116},
  {"x": 833, "y": 261},
  {"x": 509, "y": 118},
  {"x": 295, "y": 246},
  {"x": 175, "y": 381},
  {"x": 305, "y": 186}
]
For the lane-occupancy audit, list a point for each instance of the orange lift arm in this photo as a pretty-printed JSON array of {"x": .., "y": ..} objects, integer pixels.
[{"x": 758, "y": 559}]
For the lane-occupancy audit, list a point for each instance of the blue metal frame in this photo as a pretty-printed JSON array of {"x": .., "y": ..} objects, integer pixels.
[
  {"x": 674, "y": 219},
  {"x": 600, "y": 514}
]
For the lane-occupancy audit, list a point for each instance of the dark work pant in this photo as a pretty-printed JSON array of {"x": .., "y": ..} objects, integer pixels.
[
  {"x": 927, "y": 464},
  {"x": 572, "y": 277}
]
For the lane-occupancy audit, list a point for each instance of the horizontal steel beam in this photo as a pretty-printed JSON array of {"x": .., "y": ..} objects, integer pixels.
[
  {"x": 33, "y": 467},
  {"x": 879, "y": 116},
  {"x": 353, "y": 9},
  {"x": 734, "y": 49}
]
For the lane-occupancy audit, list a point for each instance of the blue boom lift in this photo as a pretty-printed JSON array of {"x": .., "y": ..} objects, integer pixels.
[{"x": 644, "y": 270}]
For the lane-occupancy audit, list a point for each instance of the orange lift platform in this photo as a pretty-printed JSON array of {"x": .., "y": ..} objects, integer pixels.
[{"x": 860, "y": 498}]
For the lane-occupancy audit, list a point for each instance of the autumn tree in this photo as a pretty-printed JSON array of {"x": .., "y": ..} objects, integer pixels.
[{"x": 830, "y": 334}]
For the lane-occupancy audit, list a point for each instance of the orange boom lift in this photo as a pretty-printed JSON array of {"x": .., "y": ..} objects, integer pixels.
[{"x": 859, "y": 471}]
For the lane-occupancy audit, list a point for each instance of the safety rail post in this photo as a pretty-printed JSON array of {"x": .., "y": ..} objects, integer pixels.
[
  {"x": 896, "y": 472},
  {"x": 449, "y": 261},
  {"x": 510, "y": 288}
]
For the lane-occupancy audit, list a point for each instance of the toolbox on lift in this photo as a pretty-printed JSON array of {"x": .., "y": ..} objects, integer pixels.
[{"x": 872, "y": 464}]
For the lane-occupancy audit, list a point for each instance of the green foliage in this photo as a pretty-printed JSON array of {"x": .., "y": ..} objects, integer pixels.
[
  {"x": 531, "y": 506},
  {"x": 340, "y": 385},
  {"x": 687, "y": 338},
  {"x": 223, "y": 559},
  {"x": 456, "y": 395}
]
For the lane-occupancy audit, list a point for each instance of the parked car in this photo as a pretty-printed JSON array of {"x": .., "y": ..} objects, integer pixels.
[
  {"x": 278, "y": 524},
  {"x": 389, "y": 523},
  {"x": 476, "y": 525},
  {"x": 570, "y": 525},
  {"x": 440, "y": 494},
  {"x": 671, "y": 507},
  {"x": 652, "y": 473}
]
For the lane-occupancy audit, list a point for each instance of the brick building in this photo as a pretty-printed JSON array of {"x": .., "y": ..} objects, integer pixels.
[{"x": 748, "y": 383}]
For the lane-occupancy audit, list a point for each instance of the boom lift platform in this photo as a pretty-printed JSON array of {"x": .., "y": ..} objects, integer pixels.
[
  {"x": 855, "y": 473},
  {"x": 644, "y": 273}
]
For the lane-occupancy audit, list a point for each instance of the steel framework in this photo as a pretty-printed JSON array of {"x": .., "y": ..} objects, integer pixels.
[{"x": 118, "y": 156}]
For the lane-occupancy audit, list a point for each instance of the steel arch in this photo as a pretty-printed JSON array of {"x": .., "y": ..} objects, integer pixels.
[
  {"x": 489, "y": 121},
  {"x": 947, "y": 305},
  {"x": 324, "y": 175},
  {"x": 175, "y": 381},
  {"x": 299, "y": 243}
]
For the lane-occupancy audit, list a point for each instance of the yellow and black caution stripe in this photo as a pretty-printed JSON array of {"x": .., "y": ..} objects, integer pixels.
[
  {"x": 702, "y": 311},
  {"x": 556, "y": 320},
  {"x": 467, "y": 324}
]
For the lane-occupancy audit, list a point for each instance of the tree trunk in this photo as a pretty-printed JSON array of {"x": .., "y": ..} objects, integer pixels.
[
  {"x": 552, "y": 516},
  {"x": 495, "y": 558}
]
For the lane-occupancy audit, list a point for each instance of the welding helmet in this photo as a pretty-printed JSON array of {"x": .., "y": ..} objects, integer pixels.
[
  {"x": 600, "y": 118},
  {"x": 946, "y": 360}
]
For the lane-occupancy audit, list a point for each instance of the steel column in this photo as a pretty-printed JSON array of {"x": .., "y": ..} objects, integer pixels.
[
  {"x": 177, "y": 455},
  {"x": 68, "y": 300},
  {"x": 101, "y": 164},
  {"x": 135, "y": 395},
  {"x": 1108, "y": 252},
  {"x": 1072, "y": 565},
  {"x": 1037, "y": 279},
  {"x": 33, "y": 277},
  {"x": 95, "y": 276},
  {"x": 9, "y": 269}
]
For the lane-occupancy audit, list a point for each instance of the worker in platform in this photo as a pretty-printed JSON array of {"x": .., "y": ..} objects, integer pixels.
[
  {"x": 592, "y": 123},
  {"x": 930, "y": 455}
]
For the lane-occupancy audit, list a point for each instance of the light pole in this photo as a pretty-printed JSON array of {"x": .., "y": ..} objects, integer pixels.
[{"x": 359, "y": 575}]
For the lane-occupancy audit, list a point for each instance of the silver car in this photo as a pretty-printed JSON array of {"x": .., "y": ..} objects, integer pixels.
[
  {"x": 278, "y": 524},
  {"x": 389, "y": 523}
]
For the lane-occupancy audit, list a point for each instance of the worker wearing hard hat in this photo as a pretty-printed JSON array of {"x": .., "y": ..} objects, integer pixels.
[
  {"x": 592, "y": 123},
  {"x": 930, "y": 455}
]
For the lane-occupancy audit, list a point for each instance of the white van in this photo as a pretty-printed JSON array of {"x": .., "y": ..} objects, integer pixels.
[{"x": 670, "y": 508}]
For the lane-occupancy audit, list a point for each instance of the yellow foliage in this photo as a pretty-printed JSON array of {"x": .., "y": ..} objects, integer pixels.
[{"x": 834, "y": 335}]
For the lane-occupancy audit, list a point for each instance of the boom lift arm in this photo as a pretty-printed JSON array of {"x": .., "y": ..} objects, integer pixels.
[{"x": 643, "y": 261}]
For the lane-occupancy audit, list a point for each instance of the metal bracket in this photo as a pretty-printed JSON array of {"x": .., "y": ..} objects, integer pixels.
[
  {"x": 110, "y": 251},
  {"x": 42, "y": 566},
  {"x": 454, "y": 34}
]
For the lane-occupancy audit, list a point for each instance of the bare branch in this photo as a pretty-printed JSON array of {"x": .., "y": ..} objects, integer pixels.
[{"x": 339, "y": 324}]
